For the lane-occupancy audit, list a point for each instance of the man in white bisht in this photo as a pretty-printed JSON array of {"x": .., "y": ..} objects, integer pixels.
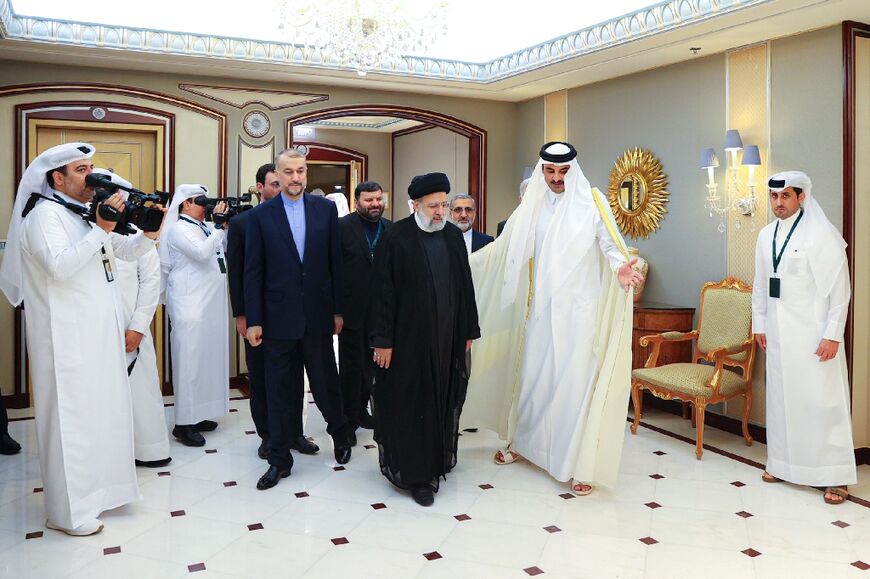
[
  {"x": 552, "y": 368},
  {"x": 64, "y": 270},
  {"x": 800, "y": 301},
  {"x": 193, "y": 262},
  {"x": 140, "y": 288}
]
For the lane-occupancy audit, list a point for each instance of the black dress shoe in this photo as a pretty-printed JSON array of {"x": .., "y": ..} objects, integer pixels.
[
  {"x": 263, "y": 450},
  {"x": 423, "y": 496},
  {"x": 351, "y": 436},
  {"x": 8, "y": 445},
  {"x": 206, "y": 425},
  {"x": 272, "y": 477},
  {"x": 303, "y": 445},
  {"x": 154, "y": 463},
  {"x": 188, "y": 435}
]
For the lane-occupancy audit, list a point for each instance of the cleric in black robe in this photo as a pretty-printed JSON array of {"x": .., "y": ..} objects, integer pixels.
[{"x": 422, "y": 320}]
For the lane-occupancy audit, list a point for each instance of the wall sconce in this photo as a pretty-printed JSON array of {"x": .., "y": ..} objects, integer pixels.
[{"x": 733, "y": 197}]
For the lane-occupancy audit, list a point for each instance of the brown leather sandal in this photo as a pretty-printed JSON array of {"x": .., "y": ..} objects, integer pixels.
[
  {"x": 769, "y": 478},
  {"x": 841, "y": 492}
]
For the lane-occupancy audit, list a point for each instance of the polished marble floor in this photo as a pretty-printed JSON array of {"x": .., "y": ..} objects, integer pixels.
[{"x": 669, "y": 516}]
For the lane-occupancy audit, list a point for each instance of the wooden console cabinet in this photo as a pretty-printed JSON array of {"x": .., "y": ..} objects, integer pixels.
[{"x": 655, "y": 318}]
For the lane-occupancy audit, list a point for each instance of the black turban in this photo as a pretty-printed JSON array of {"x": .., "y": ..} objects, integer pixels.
[{"x": 422, "y": 185}]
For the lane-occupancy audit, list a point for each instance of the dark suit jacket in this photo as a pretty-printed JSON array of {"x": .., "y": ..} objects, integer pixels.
[
  {"x": 236, "y": 262},
  {"x": 500, "y": 227},
  {"x": 479, "y": 239},
  {"x": 357, "y": 269},
  {"x": 285, "y": 296}
]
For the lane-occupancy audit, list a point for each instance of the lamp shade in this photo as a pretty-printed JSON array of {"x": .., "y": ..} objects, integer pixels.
[
  {"x": 527, "y": 172},
  {"x": 751, "y": 156},
  {"x": 733, "y": 142},
  {"x": 709, "y": 159}
]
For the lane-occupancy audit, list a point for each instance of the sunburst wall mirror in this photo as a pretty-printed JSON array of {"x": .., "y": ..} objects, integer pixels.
[{"x": 638, "y": 192}]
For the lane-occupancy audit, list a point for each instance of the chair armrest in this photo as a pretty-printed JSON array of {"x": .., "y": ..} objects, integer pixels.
[
  {"x": 658, "y": 339},
  {"x": 718, "y": 356}
]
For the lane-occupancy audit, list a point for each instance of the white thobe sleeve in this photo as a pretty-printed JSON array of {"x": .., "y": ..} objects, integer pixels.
[
  {"x": 50, "y": 245},
  {"x": 838, "y": 306},
  {"x": 149, "y": 292},
  {"x": 188, "y": 241},
  {"x": 608, "y": 247},
  {"x": 130, "y": 247},
  {"x": 759, "y": 290}
]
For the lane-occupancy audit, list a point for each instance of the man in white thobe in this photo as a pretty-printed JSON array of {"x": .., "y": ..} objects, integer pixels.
[
  {"x": 192, "y": 258},
  {"x": 800, "y": 301},
  {"x": 64, "y": 270},
  {"x": 552, "y": 368},
  {"x": 140, "y": 288}
]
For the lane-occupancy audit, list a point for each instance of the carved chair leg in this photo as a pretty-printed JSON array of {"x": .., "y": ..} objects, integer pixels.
[
  {"x": 699, "y": 433},
  {"x": 637, "y": 403},
  {"x": 747, "y": 409}
]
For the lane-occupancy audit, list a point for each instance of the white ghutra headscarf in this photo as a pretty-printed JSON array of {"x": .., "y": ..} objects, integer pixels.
[{"x": 33, "y": 181}]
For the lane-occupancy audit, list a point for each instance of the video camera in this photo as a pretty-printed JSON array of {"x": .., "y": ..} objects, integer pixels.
[
  {"x": 144, "y": 210},
  {"x": 235, "y": 205}
]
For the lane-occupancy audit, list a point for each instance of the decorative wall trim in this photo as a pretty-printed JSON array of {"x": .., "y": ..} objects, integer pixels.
[
  {"x": 252, "y": 96},
  {"x": 647, "y": 22},
  {"x": 412, "y": 130}
]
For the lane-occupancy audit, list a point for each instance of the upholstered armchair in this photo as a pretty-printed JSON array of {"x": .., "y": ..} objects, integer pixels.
[{"x": 723, "y": 345}]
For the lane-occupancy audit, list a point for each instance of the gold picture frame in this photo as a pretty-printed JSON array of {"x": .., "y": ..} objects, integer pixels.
[{"x": 638, "y": 193}]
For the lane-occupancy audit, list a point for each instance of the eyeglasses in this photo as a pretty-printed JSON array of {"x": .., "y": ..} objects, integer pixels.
[{"x": 463, "y": 209}]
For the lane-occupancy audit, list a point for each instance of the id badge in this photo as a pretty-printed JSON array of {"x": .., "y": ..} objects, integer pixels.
[
  {"x": 223, "y": 265},
  {"x": 774, "y": 287}
]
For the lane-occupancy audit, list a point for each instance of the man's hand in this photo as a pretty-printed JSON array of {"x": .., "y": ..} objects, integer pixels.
[
  {"x": 467, "y": 345},
  {"x": 254, "y": 335},
  {"x": 242, "y": 326},
  {"x": 761, "y": 340},
  {"x": 132, "y": 339},
  {"x": 156, "y": 234},
  {"x": 628, "y": 278},
  {"x": 383, "y": 356},
  {"x": 827, "y": 350},
  {"x": 339, "y": 324},
  {"x": 116, "y": 201}
]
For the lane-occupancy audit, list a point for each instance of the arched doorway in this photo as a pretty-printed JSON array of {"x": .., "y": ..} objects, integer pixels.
[{"x": 476, "y": 139}]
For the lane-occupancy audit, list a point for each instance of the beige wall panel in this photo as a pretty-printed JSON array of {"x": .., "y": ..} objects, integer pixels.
[
  {"x": 426, "y": 152},
  {"x": 556, "y": 116},
  {"x": 748, "y": 104},
  {"x": 378, "y": 146},
  {"x": 251, "y": 158},
  {"x": 860, "y": 378}
]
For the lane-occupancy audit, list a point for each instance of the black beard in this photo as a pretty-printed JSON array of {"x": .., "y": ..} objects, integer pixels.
[{"x": 368, "y": 218}]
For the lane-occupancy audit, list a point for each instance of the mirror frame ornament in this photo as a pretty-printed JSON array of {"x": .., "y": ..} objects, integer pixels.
[{"x": 647, "y": 218}]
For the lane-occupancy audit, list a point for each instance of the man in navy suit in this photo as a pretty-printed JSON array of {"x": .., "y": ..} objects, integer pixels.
[
  {"x": 268, "y": 186},
  {"x": 293, "y": 306},
  {"x": 463, "y": 212}
]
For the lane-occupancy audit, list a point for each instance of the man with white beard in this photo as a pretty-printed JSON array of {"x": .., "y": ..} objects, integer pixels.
[
  {"x": 63, "y": 269},
  {"x": 463, "y": 212},
  {"x": 800, "y": 301},
  {"x": 140, "y": 288},
  {"x": 552, "y": 370}
]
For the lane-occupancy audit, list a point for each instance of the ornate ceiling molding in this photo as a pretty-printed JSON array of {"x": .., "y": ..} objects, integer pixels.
[
  {"x": 241, "y": 97},
  {"x": 663, "y": 17}
]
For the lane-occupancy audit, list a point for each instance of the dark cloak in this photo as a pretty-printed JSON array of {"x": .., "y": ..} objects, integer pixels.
[{"x": 417, "y": 401}]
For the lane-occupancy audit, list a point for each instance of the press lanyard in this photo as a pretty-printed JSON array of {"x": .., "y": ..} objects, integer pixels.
[
  {"x": 374, "y": 242},
  {"x": 777, "y": 259},
  {"x": 220, "y": 260}
]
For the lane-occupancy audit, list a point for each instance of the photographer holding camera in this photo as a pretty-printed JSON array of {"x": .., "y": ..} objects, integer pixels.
[
  {"x": 63, "y": 268},
  {"x": 193, "y": 261}
]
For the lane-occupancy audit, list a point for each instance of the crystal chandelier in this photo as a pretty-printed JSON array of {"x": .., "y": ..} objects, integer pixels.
[{"x": 365, "y": 35}]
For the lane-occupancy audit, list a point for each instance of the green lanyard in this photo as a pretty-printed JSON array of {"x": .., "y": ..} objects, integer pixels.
[{"x": 777, "y": 259}]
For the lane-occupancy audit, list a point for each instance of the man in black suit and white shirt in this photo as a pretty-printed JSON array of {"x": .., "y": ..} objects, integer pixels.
[
  {"x": 268, "y": 186},
  {"x": 463, "y": 212},
  {"x": 360, "y": 233}
]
